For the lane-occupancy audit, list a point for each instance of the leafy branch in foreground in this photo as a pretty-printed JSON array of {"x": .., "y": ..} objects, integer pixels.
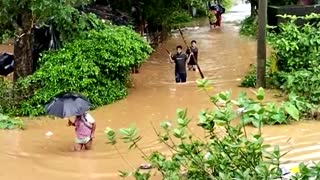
[{"x": 225, "y": 152}]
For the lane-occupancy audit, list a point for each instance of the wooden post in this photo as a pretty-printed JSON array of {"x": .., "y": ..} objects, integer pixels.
[{"x": 261, "y": 48}]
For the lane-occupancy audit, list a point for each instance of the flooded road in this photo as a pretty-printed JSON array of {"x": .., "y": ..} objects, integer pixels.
[{"x": 223, "y": 57}]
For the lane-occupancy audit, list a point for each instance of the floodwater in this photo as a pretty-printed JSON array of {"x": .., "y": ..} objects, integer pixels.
[{"x": 224, "y": 59}]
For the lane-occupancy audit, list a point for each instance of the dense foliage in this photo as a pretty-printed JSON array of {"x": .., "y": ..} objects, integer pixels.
[
  {"x": 20, "y": 17},
  {"x": 296, "y": 60},
  {"x": 249, "y": 27},
  {"x": 226, "y": 151},
  {"x": 227, "y": 4},
  {"x": 96, "y": 64}
]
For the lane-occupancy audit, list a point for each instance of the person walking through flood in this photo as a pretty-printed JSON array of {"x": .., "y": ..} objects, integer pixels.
[
  {"x": 181, "y": 60},
  {"x": 193, "y": 58},
  {"x": 217, "y": 10},
  {"x": 212, "y": 19},
  {"x": 85, "y": 127}
]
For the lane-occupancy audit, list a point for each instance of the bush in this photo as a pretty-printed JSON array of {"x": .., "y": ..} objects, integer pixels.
[
  {"x": 227, "y": 4},
  {"x": 272, "y": 74},
  {"x": 96, "y": 64},
  {"x": 298, "y": 57},
  {"x": 250, "y": 79},
  {"x": 75, "y": 23},
  {"x": 249, "y": 27},
  {"x": 177, "y": 18},
  {"x": 232, "y": 154},
  {"x": 9, "y": 123}
]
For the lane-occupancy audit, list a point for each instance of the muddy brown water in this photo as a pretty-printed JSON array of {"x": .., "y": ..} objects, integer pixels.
[{"x": 224, "y": 58}]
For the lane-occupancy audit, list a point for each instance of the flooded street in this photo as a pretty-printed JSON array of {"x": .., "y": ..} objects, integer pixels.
[{"x": 224, "y": 58}]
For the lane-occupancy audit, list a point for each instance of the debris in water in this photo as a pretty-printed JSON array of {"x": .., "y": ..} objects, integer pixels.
[
  {"x": 49, "y": 133},
  {"x": 145, "y": 166}
]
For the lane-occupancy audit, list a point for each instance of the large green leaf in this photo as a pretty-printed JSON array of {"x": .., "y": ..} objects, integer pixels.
[{"x": 292, "y": 110}]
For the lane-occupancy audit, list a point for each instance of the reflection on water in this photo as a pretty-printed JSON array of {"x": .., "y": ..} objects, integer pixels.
[{"x": 224, "y": 59}]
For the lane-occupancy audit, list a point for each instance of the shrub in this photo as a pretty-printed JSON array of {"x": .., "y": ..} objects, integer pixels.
[
  {"x": 227, "y": 4},
  {"x": 96, "y": 64},
  {"x": 298, "y": 57},
  {"x": 175, "y": 19},
  {"x": 305, "y": 83},
  {"x": 9, "y": 123},
  {"x": 294, "y": 62},
  {"x": 75, "y": 23},
  {"x": 249, "y": 27},
  {"x": 307, "y": 172},
  {"x": 250, "y": 78},
  {"x": 232, "y": 154}
]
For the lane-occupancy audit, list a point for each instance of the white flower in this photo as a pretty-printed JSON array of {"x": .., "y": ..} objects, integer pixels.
[
  {"x": 240, "y": 110},
  {"x": 168, "y": 124},
  {"x": 207, "y": 156}
]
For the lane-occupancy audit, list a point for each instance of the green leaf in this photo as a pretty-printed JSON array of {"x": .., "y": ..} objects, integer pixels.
[
  {"x": 292, "y": 111},
  {"x": 260, "y": 94}
]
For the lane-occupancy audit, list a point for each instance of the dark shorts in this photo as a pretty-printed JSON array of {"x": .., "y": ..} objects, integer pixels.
[
  {"x": 192, "y": 62},
  {"x": 181, "y": 77}
]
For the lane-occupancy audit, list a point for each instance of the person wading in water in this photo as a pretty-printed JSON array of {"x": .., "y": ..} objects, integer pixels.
[
  {"x": 193, "y": 58},
  {"x": 181, "y": 60},
  {"x": 85, "y": 127},
  {"x": 217, "y": 10}
]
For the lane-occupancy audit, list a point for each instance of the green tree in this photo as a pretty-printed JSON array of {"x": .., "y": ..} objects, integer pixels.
[{"x": 23, "y": 15}]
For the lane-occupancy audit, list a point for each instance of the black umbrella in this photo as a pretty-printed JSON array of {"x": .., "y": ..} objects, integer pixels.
[
  {"x": 67, "y": 105},
  {"x": 6, "y": 64}
]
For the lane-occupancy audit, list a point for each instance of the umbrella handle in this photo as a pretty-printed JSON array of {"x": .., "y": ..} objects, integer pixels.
[{"x": 69, "y": 122}]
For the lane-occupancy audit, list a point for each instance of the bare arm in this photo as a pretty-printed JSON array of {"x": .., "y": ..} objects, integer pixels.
[
  {"x": 188, "y": 59},
  {"x": 170, "y": 59},
  {"x": 93, "y": 130}
]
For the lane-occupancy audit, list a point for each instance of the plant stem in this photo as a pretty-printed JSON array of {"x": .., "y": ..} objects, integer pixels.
[
  {"x": 170, "y": 147},
  {"x": 143, "y": 153},
  {"x": 244, "y": 129},
  {"x": 125, "y": 159}
]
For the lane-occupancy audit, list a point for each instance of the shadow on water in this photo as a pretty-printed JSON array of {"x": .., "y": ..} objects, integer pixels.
[{"x": 224, "y": 59}]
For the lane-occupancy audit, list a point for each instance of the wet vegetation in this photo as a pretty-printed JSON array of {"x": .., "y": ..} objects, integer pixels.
[
  {"x": 225, "y": 152},
  {"x": 9, "y": 123},
  {"x": 90, "y": 64},
  {"x": 294, "y": 63}
]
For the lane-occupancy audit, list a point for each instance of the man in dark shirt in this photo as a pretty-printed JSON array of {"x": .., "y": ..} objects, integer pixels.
[
  {"x": 193, "y": 58},
  {"x": 181, "y": 60}
]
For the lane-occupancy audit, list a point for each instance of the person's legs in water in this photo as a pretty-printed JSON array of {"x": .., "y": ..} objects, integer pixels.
[
  {"x": 81, "y": 143},
  {"x": 178, "y": 79},
  {"x": 88, "y": 145},
  {"x": 183, "y": 77},
  {"x": 218, "y": 22},
  {"x": 77, "y": 147}
]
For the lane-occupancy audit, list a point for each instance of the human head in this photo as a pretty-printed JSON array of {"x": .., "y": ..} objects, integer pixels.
[
  {"x": 193, "y": 43},
  {"x": 179, "y": 49}
]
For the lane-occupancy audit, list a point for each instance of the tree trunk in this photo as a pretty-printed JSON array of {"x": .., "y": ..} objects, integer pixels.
[
  {"x": 23, "y": 48},
  {"x": 253, "y": 9}
]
